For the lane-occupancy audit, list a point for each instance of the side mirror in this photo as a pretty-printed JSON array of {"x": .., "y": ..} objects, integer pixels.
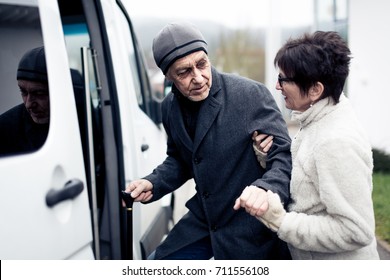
[
  {"x": 167, "y": 87},
  {"x": 155, "y": 109},
  {"x": 157, "y": 98}
]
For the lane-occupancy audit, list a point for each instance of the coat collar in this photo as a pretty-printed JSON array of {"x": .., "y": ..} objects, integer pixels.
[
  {"x": 317, "y": 111},
  {"x": 207, "y": 114}
]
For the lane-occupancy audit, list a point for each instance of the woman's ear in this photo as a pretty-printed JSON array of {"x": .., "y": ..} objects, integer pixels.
[{"x": 316, "y": 91}]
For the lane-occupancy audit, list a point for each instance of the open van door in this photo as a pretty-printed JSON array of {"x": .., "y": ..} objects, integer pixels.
[
  {"x": 60, "y": 192},
  {"x": 44, "y": 206}
]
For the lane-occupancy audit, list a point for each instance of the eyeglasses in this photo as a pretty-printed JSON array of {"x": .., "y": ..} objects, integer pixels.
[{"x": 285, "y": 79}]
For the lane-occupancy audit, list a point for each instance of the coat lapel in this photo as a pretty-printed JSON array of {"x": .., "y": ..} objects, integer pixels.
[
  {"x": 207, "y": 115},
  {"x": 209, "y": 111},
  {"x": 177, "y": 124}
]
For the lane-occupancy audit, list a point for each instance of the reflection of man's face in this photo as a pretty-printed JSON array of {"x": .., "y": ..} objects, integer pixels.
[{"x": 36, "y": 99}]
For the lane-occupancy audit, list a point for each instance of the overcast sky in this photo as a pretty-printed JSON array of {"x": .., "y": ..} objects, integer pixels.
[{"x": 237, "y": 13}]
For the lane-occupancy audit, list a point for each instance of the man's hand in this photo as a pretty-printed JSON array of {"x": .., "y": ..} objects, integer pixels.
[
  {"x": 140, "y": 190},
  {"x": 254, "y": 200}
]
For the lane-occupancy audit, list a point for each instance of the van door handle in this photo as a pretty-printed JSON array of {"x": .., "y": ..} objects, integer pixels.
[
  {"x": 144, "y": 147},
  {"x": 71, "y": 189}
]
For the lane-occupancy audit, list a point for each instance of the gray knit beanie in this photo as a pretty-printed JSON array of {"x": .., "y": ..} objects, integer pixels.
[
  {"x": 32, "y": 66},
  {"x": 175, "y": 41}
]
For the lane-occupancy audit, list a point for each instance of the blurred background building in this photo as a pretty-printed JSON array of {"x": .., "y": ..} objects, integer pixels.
[
  {"x": 245, "y": 35},
  {"x": 365, "y": 26}
]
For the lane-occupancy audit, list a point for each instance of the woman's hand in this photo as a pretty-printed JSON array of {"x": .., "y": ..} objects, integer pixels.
[{"x": 262, "y": 142}]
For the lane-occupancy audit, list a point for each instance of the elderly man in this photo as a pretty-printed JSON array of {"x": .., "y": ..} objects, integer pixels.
[
  {"x": 24, "y": 128},
  {"x": 210, "y": 118}
]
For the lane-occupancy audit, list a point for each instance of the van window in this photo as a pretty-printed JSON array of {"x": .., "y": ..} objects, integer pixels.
[
  {"x": 78, "y": 45},
  {"x": 131, "y": 56},
  {"x": 24, "y": 95},
  {"x": 136, "y": 63}
]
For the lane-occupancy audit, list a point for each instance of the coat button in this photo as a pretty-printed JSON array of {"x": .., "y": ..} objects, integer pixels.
[
  {"x": 206, "y": 194},
  {"x": 214, "y": 227},
  {"x": 197, "y": 160}
]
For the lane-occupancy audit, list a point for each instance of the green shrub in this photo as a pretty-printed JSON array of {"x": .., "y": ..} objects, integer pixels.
[
  {"x": 381, "y": 199},
  {"x": 381, "y": 161}
]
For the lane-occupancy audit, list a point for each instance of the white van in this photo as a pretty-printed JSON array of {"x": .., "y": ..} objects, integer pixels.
[{"x": 63, "y": 200}]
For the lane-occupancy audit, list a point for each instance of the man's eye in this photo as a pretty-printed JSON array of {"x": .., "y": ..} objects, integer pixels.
[
  {"x": 37, "y": 93},
  {"x": 40, "y": 92},
  {"x": 202, "y": 64},
  {"x": 184, "y": 72}
]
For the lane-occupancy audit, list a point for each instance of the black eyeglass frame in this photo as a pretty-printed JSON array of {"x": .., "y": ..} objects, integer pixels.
[{"x": 285, "y": 79}]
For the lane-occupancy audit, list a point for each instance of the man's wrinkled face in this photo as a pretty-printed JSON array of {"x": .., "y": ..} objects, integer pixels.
[
  {"x": 35, "y": 97},
  {"x": 192, "y": 75}
]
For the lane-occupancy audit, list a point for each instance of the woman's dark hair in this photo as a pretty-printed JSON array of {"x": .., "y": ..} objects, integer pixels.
[{"x": 319, "y": 57}]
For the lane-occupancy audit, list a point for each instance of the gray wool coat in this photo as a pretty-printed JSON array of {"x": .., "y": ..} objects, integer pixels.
[{"x": 222, "y": 163}]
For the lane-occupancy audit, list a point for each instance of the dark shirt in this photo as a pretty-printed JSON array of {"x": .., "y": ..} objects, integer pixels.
[
  {"x": 189, "y": 110},
  {"x": 19, "y": 133}
]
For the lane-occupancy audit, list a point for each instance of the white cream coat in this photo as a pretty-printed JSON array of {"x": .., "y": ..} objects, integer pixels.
[{"x": 331, "y": 214}]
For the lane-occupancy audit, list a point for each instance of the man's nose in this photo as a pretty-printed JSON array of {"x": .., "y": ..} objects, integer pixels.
[
  {"x": 30, "y": 99},
  {"x": 197, "y": 75}
]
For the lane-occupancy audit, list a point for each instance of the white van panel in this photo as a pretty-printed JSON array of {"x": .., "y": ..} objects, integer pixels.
[
  {"x": 137, "y": 129},
  {"x": 126, "y": 120},
  {"x": 31, "y": 229}
]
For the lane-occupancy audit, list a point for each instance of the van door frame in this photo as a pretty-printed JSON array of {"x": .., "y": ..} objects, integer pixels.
[{"x": 111, "y": 130}]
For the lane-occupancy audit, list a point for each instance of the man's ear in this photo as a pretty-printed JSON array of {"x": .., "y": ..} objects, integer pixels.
[{"x": 316, "y": 91}]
